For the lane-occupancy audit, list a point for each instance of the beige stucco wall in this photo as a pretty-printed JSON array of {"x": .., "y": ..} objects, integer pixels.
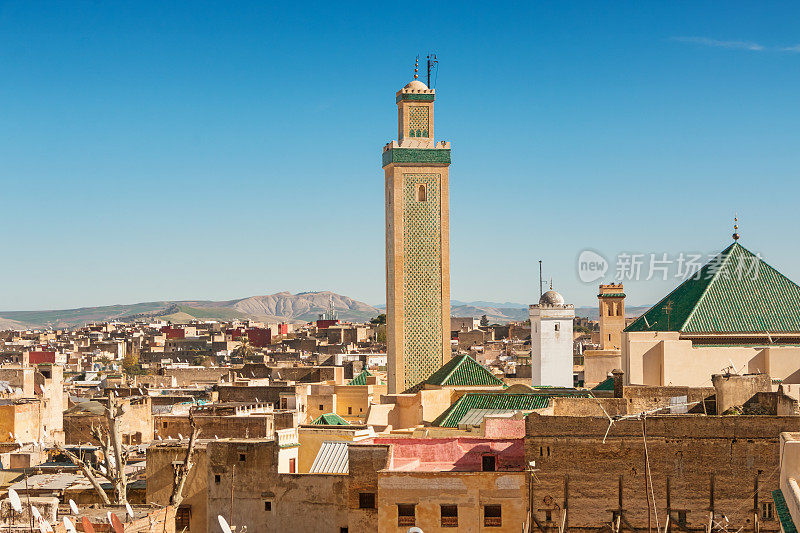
[
  {"x": 598, "y": 363},
  {"x": 659, "y": 358},
  {"x": 470, "y": 491}
]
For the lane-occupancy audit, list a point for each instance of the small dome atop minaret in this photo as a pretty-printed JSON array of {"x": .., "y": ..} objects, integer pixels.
[{"x": 416, "y": 85}]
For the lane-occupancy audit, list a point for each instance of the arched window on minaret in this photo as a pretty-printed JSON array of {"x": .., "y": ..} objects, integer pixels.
[{"x": 422, "y": 194}]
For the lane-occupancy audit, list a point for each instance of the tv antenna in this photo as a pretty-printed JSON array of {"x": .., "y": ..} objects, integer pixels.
[{"x": 433, "y": 64}]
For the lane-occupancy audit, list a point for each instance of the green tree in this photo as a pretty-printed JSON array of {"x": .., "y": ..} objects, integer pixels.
[
  {"x": 484, "y": 320},
  {"x": 379, "y": 320}
]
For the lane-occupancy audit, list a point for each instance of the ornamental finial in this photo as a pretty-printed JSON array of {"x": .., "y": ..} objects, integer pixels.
[
  {"x": 416, "y": 68},
  {"x": 735, "y": 228}
]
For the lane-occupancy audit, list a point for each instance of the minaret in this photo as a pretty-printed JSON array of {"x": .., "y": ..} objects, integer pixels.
[{"x": 417, "y": 242}]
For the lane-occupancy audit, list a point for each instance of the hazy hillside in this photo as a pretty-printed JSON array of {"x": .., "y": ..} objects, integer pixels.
[{"x": 282, "y": 306}]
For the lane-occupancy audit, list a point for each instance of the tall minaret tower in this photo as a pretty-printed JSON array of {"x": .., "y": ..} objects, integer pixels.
[{"x": 417, "y": 242}]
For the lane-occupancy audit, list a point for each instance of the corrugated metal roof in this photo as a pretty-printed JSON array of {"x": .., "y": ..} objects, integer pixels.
[
  {"x": 736, "y": 292},
  {"x": 474, "y": 417},
  {"x": 332, "y": 458}
]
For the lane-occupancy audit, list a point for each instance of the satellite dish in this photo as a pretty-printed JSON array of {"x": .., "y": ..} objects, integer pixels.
[
  {"x": 216, "y": 438},
  {"x": 130, "y": 511},
  {"x": 116, "y": 523},
  {"x": 159, "y": 437},
  {"x": 11, "y": 435},
  {"x": 415, "y": 530},
  {"x": 223, "y": 524},
  {"x": 70, "y": 527},
  {"x": 108, "y": 517},
  {"x": 180, "y": 437},
  {"x": 103, "y": 469},
  {"x": 36, "y": 514},
  {"x": 43, "y": 526},
  {"x": 15, "y": 502},
  {"x": 73, "y": 507},
  {"x": 87, "y": 525}
]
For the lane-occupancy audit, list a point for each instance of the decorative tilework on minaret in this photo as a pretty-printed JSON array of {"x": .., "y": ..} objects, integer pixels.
[{"x": 417, "y": 243}]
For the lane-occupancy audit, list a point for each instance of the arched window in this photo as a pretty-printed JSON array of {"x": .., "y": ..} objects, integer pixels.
[
  {"x": 419, "y": 133},
  {"x": 422, "y": 193},
  {"x": 411, "y": 133}
]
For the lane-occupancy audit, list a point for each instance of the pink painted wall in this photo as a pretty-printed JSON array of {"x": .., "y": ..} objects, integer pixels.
[{"x": 458, "y": 453}]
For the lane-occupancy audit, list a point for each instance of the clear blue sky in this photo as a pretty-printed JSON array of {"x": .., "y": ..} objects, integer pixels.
[{"x": 159, "y": 150}]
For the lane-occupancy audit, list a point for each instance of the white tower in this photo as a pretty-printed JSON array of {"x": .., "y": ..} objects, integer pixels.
[{"x": 551, "y": 341}]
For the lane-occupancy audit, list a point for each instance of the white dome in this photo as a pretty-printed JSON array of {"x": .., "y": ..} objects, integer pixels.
[
  {"x": 551, "y": 297},
  {"x": 416, "y": 85}
]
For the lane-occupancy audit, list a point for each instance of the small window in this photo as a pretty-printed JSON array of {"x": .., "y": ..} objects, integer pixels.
[
  {"x": 492, "y": 516},
  {"x": 548, "y": 515},
  {"x": 449, "y": 515},
  {"x": 217, "y": 478},
  {"x": 678, "y": 517},
  {"x": 182, "y": 518},
  {"x": 366, "y": 500},
  {"x": 488, "y": 463},
  {"x": 349, "y": 410},
  {"x": 165, "y": 425},
  {"x": 242, "y": 458},
  {"x": 321, "y": 407},
  {"x": 292, "y": 465},
  {"x": 422, "y": 193},
  {"x": 767, "y": 511},
  {"x": 405, "y": 514},
  {"x": 558, "y": 326},
  {"x": 267, "y": 505}
]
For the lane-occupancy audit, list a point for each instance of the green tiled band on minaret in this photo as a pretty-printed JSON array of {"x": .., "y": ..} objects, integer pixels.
[{"x": 433, "y": 156}]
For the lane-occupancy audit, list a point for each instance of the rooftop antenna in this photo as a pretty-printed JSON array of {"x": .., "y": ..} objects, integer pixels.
[
  {"x": 433, "y": 63},
  {"x": 540, "y": 279}
]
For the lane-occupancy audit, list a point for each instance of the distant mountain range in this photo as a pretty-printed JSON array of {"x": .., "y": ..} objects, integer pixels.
[{"x": 279, "y": 307}]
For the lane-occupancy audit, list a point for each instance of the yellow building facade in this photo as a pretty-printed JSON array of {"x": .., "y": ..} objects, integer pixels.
[{"x": 417, "y": 242}]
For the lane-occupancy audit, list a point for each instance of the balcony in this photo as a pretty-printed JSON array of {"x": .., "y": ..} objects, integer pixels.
[{"x": 492, "y": 521}]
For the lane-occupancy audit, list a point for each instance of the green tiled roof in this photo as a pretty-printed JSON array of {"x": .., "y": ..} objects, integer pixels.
[
  {"x": 612, "y": 295},
  {"x": 460, "y": 371},
  {"x": 330, "y": 419},
  {"x": 360, "y": 379},
  {"x": 736, "y": 292},
  {"x": 490, "y": 400},
  {"x": 608, "y": 384},
  {"x": 782, "y": 510}
]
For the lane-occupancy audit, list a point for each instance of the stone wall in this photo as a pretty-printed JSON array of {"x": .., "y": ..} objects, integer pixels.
[{"x": 684, "y": 451}]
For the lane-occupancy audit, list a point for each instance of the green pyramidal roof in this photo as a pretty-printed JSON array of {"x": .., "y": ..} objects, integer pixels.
[
  {"x": 736, "y": 292},
  {"x": 330, "y": 419},
  {"x": 463, "y": 371},
  {"x": 360, "y": 379}
]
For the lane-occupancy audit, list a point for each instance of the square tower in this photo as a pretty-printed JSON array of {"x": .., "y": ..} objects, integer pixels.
[
  {"x": 612, "y": 315},
  {"x": 417, "y": 243},
  {"x": 551, "y": 341}
]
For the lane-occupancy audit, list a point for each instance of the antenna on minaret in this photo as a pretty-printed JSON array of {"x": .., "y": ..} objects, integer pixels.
[
  {"x": 433, "y": 63},
  {"x": 540, "y": 279},
  {"x": 416, "y": 68}
]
